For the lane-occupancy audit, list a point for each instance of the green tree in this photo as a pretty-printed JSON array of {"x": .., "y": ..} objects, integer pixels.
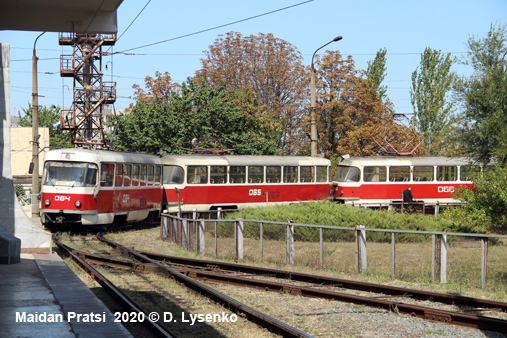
[
  {"x": 376, "y": 72},
  {"x": 486, "y": 203},
  {"x": 431, "y": 84},
  {"x": 273, "y": 70},
  {"x": 50, "y": 118},
  {"x": 483, "y": 96},
  {"x": 197, "y": 111}
]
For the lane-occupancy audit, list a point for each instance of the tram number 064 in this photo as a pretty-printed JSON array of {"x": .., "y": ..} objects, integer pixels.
[{"x": 255, "y": 192}]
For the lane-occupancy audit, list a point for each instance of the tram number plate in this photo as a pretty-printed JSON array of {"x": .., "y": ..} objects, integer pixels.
[{"x": 255, "y": 192}]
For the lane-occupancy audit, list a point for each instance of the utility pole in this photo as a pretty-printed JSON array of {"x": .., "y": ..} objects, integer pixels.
[
  {"x": 35, "y": 134},
  {"x": 313, "y": 113}
]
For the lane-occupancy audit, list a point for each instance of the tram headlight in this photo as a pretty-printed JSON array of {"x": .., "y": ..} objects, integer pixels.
[
  {"x": 47, "y": 202},
  {"x": 78, "y": 204}
]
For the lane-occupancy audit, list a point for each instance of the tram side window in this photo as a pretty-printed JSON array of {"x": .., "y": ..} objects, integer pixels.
[
  {"x": 399, "y": 174},
  {"x": 107, "y": 175},
  {"x": 424, "y": 173},
  {"x": 308, "y": 173},
  {"x": 158, "y": 171},
  {"x": 447, "y": 173},
  {"x": 135, "y": 175},
  {"x": 467, "y": 171},
  {"x": 255, "y": 174},
  {"x": 142, "y": 176},
  {"x": 347, "y": 174},
  {"x": 150, "y": 174},
  {"x": 127, "y": 170},
  {"x": 290, "y": 174},
  {"x": 197, "y": 174},
  {"x": 173, "y": 174},
  {"x": 375, "y": 174},
  {"x": 218, "y": 174},
  {"x": 323, "y": 174},
  {"x": 273, "y": 174},
  {"x": 118, "y": 175},
  {"x": 237, "y": 174}
]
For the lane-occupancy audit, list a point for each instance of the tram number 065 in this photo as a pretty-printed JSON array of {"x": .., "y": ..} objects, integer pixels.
[{"x": 255, "y": 192}]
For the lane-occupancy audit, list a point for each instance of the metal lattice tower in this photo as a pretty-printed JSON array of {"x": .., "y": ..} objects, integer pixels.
[{"x": 91, "y": 94}]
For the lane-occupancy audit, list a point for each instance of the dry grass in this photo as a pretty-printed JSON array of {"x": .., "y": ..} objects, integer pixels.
[
  {"x": 316, "y": 317},
  {"x": 413, "y": 260}
]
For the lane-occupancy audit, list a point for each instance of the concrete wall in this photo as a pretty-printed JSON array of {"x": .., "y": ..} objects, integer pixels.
[{"x": 12, "y": 217}]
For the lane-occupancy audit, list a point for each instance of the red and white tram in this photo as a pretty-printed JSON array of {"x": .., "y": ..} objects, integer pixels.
[
  {"x": 207, "y": 182},
  {"x": 97, "y": 187},
  {"x": 372, "y": 181}
]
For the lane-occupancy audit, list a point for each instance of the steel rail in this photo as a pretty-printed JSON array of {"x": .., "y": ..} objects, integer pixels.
[
  {"x": 330, "y": 281},
  {"x": 249, "y": 313},
  {"x": 111, "y": 289},
  {"x": 427, "y": 313}
]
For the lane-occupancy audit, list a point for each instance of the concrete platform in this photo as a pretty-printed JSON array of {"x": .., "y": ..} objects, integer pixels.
[{"x": 39, "y": 296}]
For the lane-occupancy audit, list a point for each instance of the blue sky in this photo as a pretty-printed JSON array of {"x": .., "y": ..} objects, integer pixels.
[{"x": 404, "y": 27}]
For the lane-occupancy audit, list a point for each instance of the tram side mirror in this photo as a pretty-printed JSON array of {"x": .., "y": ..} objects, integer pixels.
[{"x": 30, "y": 169}]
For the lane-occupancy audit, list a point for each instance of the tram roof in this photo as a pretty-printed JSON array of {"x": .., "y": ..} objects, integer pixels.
[
  {"x": 94, "y": 156},
  {"x": 406, "y": 161},
  {"x": 196, "y": 159}
]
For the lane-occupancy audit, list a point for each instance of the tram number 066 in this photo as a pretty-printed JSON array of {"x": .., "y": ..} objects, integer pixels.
[
  {"x": 255, "y": 192},
  {"x": 446, "y": 189}
]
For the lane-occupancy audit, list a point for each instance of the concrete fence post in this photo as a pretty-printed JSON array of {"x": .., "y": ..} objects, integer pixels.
[
  {"x": 201, "y": 240},
  {"x": 163, "y": 228},
  {"x": 184, "y": 233},
  {"x": 362, "y": 261},
  {"x": 439, "y": 265},
  {"x": 484, "y": 261},
  {"x": 290, "y": 242},
  {"x": 239, "y": 239}
]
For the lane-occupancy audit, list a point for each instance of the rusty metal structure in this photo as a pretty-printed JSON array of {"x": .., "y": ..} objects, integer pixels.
[{"x": 91, "y": 93}]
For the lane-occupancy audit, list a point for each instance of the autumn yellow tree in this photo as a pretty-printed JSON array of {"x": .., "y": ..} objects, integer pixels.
[
  {"x": 272, "y": 69},
  {"x": 161, "y": 86},
  {"x": 352, "y": 119}
]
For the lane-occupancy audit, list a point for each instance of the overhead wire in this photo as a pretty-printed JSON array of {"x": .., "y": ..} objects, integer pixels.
[
  {"x": 94, "y": 15},
  {"x": 216, "y": 27}
]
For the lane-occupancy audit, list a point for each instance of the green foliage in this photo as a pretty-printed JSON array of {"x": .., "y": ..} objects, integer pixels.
[
  {"x": 50, "y": 118},
  {"x": 486, "y": 203},
  {"x": 339, "y": 215},
  {"x": 376, "y": 72},
  {"x": 20, "y": 191},
  {"x": 196, "y": 111},
  {"x": 430, "y": 86},
  {"x": 483, "y": 96}
]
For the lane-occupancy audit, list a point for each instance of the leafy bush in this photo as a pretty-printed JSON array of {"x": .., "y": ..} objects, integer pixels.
[
  {"x": 20, "y": 191},
  {"x": 339, "y": 215},
  {"x": 486, "y": 203}
]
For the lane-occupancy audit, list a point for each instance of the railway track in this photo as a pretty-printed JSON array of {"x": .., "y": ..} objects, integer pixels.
[
  {"x": 394, "y": 299},
  {"x": 155, "y": 326},
  {"x": 252, "y": 315},
  {"x": 307, "y": 285}
]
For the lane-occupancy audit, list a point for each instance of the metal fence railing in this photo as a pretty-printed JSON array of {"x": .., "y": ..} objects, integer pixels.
[{"x": 190, "y": 234}]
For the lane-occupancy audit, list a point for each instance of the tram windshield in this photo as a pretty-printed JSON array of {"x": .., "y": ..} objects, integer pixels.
[
  {"x": 347, "y": 174},
  {"x": 70, "y": 174}
]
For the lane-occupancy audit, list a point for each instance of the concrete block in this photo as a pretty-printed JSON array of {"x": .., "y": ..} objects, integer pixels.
[{"x": 10, "y": 248}]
